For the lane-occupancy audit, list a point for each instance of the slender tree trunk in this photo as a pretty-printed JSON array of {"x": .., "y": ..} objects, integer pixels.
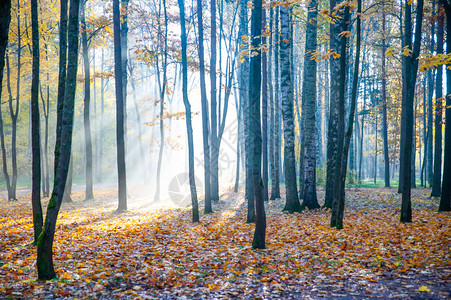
[
  {"x": 428, "y": 146},
  {"x": 189, "y": 127},
  {"x": 162, "y": 84},
  {"x": 275, "y": 191},
  {"x": 35, "y": 134},
  {"x": 411, "y": 73},
  {"x": 254, "y": 116},
  {"x": 347, "y": 139},
  {"x": 214, "y": 107},
  {"x": 45, "y": 241},
  {"x": 436, "y": 182},
  {"x": 5, "y": 20},
  {"x": 292, "y": 201},
  {"x": 61, "y": 82},
  {"x": 445, "y": 200},
  {"x": 332, "y": 134},
  {"x": 264, "y": 112},
  {"x": 2, "y": 65},
  {"x": 271, "y": 97},
  {"x": 339, "y": 73},
  {"x": 384, "y": 105},
  {"x": 208, "y": 209},
  {"x": 309, "y": 98},
  {"x": 102, "y": 113},
  {"x": 87, "y": 106},
  {"x": 122, "y": 181}
]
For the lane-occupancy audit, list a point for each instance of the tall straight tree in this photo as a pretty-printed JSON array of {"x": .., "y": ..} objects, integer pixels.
[
  {"x": 61, "y": 80},
  {"x": 203, "y": 94},
  {"x": 437, "y": 174},
  {"x": 384, "y": 103},
  {"x": 411, "y": 68},
  {"x": 292, "y": 201},
  {"x": 275, "y": 173},
  {"x": 44, "y": 262},
  {"x": 189, "y": 127},
  {"x": 5, "y": 20},
  {"x": 310, "y": 199},
  {"x": 87, "y": 105},
  {"x": 339, "y": 193},
  {"x": 35, "y": 129},
  {"x": 243, "y": 84},
  {"x": 214, "y": 106},
  {"x": 255, "y": 126},
  {"x": 162, "y": 83},
  {"x": 445, "y": 200},
  {"x": 264, "y": 113},
  {"x": 334, "y": 94},
  {"x": 120, "y": 142}
]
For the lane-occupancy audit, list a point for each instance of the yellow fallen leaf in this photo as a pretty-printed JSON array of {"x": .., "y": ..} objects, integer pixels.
[{"x": 424, "y": 289}]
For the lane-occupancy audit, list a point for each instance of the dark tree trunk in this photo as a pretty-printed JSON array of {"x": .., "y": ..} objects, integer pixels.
[
  {"x": 436, "y": 182},
  {"x": 264, "y": 113},
  {"x": 61, "y": 82},
  {"x": 332, "y": 133},
  {"x": 208, "y": 209},
  {"x": 275, "y": 178},
  {"x": 87, "y": 106},
  {"x": 411, "y": 68},
  {"x": 243, "y": 84},
  {"x": 5, "y": 20},
  {"x": 309, "y": 98},
  {"x": 445, "y": 200},
  {"x": 189, "y": 127},
  {"x": 428, "y": 142},
  {"x": 384, "y": 105},
  {"x": 35, "y": 134},
  {"x": 292, "y": 201},
  {"x": 45, "y": 241},
  {"x": 339, "y": 74},
  {"x": 338, "y": 208},
  {"x": 122, "y": 181},
  {"x": 255, "y": 126}
]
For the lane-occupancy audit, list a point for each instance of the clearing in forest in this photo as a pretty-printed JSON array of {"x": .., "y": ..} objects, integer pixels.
[{"x": 156, "y": 252}]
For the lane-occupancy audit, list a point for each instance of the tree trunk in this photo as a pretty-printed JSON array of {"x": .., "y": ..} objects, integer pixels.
[
  {"x": 87, "y": 106},
  {"x": 332, "y": 134},
  {"x": 347, "y": 138},
  {"x": 411, "y": 68},
  {"x": 436, "y": 182},
  {"x": 208, "y": 209},
  {"x": 255, "y": 126},
  {"x": 309, "y": 98},
  {"x": 61, "y": 83},
  {"x": 189, "y": 127},
  {"x": 102, "y": 113},
  {"x": 275, "y": 190},
  {"x": 214, "y": 109},
  {"x": 45, "y": 241},
  {"x": 35, "y": 134},
  {"x": 264, "y": 113},
  {"x": 122, "y": 181},
  {"x": 384, "y": 105},
  {"x": 162, "y": 85},
  {"x": 338, "y": 72},
  {"x": 445, "y": 200},
  {"x": 292, "y": 201}
]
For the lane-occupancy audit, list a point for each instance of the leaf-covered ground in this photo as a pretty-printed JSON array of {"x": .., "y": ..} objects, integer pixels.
[{"x": 156, "y": 252}]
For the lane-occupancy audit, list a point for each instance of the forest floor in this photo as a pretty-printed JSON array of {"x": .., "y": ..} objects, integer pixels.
[{"x": 155, "y": 252}]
